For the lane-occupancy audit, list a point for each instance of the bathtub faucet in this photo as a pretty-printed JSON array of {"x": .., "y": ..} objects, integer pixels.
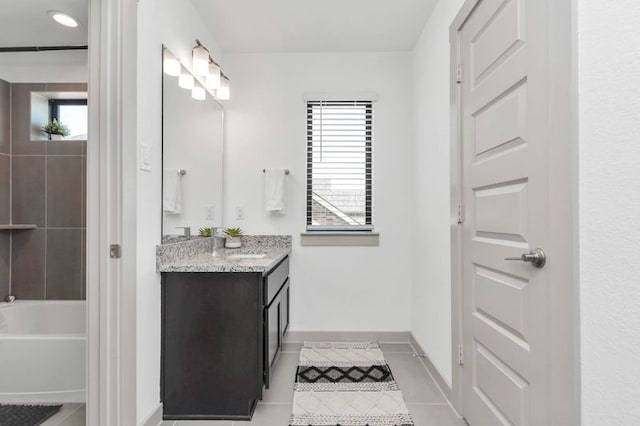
[{"x": 10, "y": 299}]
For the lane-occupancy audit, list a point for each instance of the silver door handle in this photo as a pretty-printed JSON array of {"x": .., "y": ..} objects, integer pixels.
[{"x": 537, "y": 257}]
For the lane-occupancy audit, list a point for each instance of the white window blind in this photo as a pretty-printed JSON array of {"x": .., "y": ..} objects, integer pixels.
[{"x": 339, "y": 165}]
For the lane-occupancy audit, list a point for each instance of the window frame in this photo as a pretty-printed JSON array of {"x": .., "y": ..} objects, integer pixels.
[
  {"x": 55, "y": 104},
  {"x": 333, "y": 230}
]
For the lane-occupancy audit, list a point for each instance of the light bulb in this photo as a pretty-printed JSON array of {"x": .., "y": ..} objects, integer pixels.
[
  {"x": 64, "y": 19},
  {"x": 224, "y": 92},
  {"x": 213, "y": 77},
  {"x": 200, "y": 61},
  {"x": 185, "y": 80},
  {"x": 170, "y": 64},
  {"x": 198, "y": 93}
]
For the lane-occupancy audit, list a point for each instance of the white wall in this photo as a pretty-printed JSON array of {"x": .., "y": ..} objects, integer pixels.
[
  {"x": 333, "y": 288},
  {"x": 176, "y": 24},
  {"x": 69, "y": 66},
  {"x": 431, "y": 309},
  {"x": 609, "y": 90}
]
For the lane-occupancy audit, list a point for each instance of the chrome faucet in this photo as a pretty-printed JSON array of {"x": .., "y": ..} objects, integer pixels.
[
  {"x": 187, "y": 231},
  {"x": 10, "y": 299},
  {"x": 217, "y": 241}
]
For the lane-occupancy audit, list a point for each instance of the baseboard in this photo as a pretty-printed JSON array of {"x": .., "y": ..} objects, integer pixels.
[
  {"x": 434, "y": 372},
  {"x": 154, "y": 418},
  {"x": 346, "y": 336}
]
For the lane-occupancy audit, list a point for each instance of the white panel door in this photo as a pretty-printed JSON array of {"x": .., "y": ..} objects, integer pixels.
[{"x": 505, "y": 192}]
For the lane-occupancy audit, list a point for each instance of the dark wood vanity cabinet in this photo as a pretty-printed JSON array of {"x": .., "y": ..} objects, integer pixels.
[
  {"x": 276, "y": 315},
  {"x": 221, "y": 334}
]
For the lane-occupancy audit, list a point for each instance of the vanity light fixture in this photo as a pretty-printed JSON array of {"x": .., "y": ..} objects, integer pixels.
[
  {"x": 200, "y": 60},
  {"x": 63, "y": 19},
  {"x": 224, "y": 92},
  {"x": 198, "y": 93},
  {"x": 213, "y": 77},
  {"x": 186, "y": 80},
  {"x": 170, "y": 64},
  {"x": 207, "y": 75}
]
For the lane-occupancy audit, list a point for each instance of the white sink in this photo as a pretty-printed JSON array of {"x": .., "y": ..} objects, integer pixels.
[{"x": 247, "y": 256}]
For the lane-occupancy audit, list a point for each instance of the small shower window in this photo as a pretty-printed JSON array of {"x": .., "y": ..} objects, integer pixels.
[{"x": 67, "y": 107}]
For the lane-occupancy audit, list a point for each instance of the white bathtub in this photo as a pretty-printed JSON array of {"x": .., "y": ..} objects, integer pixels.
[{"x": 42, "y": 351}]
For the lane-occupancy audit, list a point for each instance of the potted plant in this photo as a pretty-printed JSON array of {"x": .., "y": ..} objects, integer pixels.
[
  {"x": 233, "y": 238},
  {"x": 206, "y": 232},
  {"x": 56, "y": 130}
]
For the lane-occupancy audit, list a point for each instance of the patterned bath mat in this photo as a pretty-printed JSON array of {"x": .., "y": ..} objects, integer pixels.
[
  {"x": 346, "y": 384},
  {"x": 26, "y": 415}
]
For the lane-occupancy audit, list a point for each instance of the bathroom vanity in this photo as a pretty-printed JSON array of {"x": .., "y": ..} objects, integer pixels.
[{"x": 223, "y": 323}]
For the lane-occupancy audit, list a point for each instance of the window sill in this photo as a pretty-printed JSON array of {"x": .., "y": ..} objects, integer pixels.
[{"x": 340, "y": 238}]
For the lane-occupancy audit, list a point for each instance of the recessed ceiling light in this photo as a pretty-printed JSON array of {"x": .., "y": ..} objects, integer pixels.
[{"x": 64, "y": 19}]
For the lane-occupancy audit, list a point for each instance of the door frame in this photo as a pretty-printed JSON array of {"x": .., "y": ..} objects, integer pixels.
[
  {"x": 111, "y": 180},
  {"x": 563, "y": 178}
]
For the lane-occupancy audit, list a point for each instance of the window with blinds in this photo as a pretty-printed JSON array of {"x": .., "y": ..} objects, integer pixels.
[{"x": 339, "y": 165}]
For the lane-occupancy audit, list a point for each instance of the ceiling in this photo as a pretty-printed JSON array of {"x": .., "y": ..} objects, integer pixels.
[
  {"x": 315, "y": 25},
  {"x": 26, "y": 23}
]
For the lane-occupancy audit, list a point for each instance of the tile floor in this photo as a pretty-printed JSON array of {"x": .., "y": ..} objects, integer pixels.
[
  {"x": 69, "y": 415},
  {"x": 426, "y": 403}
]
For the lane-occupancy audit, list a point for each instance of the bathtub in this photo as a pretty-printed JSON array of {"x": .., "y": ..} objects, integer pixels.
[{"x": 42, "y": 351}]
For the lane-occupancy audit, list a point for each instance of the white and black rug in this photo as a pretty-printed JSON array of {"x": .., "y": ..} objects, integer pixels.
[
  {"x": 346, "y": 384},
  {"x": 26, "y": 415}
]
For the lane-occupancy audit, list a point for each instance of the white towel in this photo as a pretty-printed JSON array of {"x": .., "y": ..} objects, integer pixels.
[
  {"x": 274, "y": 190},
  {"x": 172, "y": 192}
]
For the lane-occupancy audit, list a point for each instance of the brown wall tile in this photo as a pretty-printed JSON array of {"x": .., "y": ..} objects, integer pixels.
[
  {"x": 67, "y": 147},
  {"x": 65, "y": 207},
  {"x": 5, "y": 189},
  {"x": 64, "y": 264},
  {"x": 45, "y": 263},
  {"x": 66, "y": 87},
  {"x": 5, "y": 261},
  {"x": 83, "y": 277},
  {"x": 28, "y": 265},
  {"x": 28, "y": 183},
  {"x": 21, "y": 124},
  {"x": 83, "y": 193},
  {"x": 5, "y": 117}
]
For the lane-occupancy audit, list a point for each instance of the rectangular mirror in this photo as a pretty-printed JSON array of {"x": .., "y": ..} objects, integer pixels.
[{"x": 192, "y": 155}]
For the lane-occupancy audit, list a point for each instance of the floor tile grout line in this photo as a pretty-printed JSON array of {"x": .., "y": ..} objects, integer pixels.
[{"x": 428, "y": 403}]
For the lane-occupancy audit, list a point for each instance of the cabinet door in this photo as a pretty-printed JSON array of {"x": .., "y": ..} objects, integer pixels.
[
  {"x": 285, "y": 302},
  {"x": 273, "y": 333},
  {"x": 207, "y": 370}
]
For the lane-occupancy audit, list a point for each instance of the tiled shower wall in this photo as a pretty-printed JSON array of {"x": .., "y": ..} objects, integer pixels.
[
  {"x": 5, "y": 182},
  {"x": 48, "y": 189}
]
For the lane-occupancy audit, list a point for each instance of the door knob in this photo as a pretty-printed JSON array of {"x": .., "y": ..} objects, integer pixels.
[{"x": 537, "y": 257}]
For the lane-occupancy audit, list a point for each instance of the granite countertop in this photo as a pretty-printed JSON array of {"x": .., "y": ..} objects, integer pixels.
[{"x": 195, "y": 255}]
